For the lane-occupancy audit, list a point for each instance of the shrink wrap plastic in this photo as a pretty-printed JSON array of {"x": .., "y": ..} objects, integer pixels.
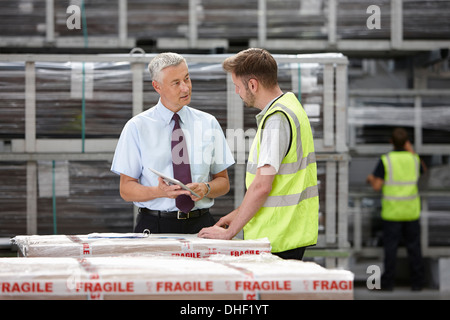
[
  {"x": 132, "y": 244},
  {"x": 233, "y": 19},
  {"x": 250, "y": 277},
  {"x": 108, "y": 93}
]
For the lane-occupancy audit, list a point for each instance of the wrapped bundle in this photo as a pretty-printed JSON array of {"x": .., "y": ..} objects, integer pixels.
[
  {"x": 219, "y": 277},
  {"x": 131, "y": 244}
]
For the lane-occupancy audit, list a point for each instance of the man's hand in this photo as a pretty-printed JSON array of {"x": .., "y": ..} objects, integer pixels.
[
  {"x": 215, "y": 232},
  {"x": 171, "y": 191},
  {"x": 375, "y": 182},
  {"x": 199, "y": 188}
]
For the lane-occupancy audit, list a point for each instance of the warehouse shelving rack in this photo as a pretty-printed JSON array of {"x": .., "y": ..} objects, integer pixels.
[
  {"x": 331, "y": 148},
  {"x": 416, "y": 117},
  {"x": 326, "y": 36}
]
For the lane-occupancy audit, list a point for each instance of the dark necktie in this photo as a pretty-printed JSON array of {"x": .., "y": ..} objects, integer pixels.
[{"x": 181, "y": 166}]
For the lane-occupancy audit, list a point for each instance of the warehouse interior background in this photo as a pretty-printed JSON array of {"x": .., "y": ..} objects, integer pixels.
[{"x": 73, "y": 72}]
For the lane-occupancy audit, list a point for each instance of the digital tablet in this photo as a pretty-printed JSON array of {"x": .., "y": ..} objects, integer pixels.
[{"x": 170, "y": 181}]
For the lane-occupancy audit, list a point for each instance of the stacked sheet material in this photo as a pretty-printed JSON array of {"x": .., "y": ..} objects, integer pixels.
[
  {"x": 250, "y": 277},
  {"x": 108, "y": 92},
  {"x": 132, "y": 244},
  {"x": 232, "y": 19}
]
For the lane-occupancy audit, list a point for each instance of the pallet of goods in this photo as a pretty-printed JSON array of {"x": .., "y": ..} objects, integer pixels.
[
  {"x": 132, "y": 244},
  {"x": 218, "y": 277}
]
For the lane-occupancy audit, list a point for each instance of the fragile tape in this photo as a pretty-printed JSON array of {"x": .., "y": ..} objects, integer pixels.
[{"x": 164, "y": 287}]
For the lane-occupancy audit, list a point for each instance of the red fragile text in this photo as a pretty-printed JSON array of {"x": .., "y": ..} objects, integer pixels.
[
  {"x": 188, "y": 286},
  {"x": 104, "y": 287},
  {"x": 240, "y": 253},
  {"x": 332, "y": 285},
  {"x": 188, "y": 254},
  {"x": 263, "y": 285},
  {"x": 86, "y": 249},
  {"x": 26, "y": 287}
]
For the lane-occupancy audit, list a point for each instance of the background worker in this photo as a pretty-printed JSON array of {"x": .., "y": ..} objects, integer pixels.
[
  {"x": 178, "y": 141},
  {"x": 281, "y": 202},
  {"x": 397, "y": 174}
]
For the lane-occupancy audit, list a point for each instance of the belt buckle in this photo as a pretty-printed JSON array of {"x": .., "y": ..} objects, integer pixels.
[{"x": 183, "y": 216}]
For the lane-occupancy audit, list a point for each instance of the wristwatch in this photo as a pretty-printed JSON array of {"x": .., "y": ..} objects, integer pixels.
[{"x": 209, "y": 188}]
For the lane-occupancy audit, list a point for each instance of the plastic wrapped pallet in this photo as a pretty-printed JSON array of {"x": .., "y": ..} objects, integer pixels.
[
  {"x": 116, "y": 244},
  {"x": 378, "y": 116},
  {"x": 90, "y": 207},
  {"x": 219, "y": 277},
  {"x": 294, "y": 19},
  {"x": 235, "y": 19},
  {"x": 108, "y": 96}
]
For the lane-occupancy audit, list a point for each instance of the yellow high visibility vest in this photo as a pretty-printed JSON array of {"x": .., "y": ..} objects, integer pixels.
[
  {"x": 401, "y": 200},
  {"x": 289, "y": 218}
]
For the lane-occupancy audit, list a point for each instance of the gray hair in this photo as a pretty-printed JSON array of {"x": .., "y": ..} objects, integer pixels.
[{"x": 162, "y": 61}]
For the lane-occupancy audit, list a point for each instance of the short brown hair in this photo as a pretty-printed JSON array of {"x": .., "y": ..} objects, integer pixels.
[
  {"x": 253, "y": 63},
  {"x": 399, "y": 138}
]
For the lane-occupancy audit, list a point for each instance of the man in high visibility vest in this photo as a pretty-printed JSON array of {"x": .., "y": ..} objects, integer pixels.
[
  {"x": 397, "y": 174},
  {"x": 281, "y": 202}
]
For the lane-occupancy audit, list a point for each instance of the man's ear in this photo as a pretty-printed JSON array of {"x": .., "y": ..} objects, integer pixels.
[
  {"x": 253, "y": 85},
  {"x": 156, "y": 86}
]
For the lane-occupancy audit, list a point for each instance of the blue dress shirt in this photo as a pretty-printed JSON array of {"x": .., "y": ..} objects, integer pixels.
[{"x": 145, "y": 142}]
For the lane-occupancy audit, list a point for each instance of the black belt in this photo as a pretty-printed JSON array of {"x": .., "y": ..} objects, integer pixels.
[{"x": 174, "y": 214}]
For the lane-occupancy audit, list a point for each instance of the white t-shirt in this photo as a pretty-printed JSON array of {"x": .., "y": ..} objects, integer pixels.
[{"x": 275, "y": 140}]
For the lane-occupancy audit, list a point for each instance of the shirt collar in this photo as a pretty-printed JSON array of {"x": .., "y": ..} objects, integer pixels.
[
  {"x": 260, "y": 115},
  {"x": 167, "y": 114}
]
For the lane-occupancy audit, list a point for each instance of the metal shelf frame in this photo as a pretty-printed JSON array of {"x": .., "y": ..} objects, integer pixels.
[
  {"x": 417, "y": 95},
  {"x": 355, "y": 218},
  {"x": 193, "y": 41}
]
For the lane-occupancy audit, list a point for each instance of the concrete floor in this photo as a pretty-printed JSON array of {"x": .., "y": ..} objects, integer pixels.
[{"x": 401, "y": 293}]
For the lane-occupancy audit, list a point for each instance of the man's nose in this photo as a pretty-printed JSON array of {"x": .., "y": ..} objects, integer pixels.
[{"x": 184, "y": 87}]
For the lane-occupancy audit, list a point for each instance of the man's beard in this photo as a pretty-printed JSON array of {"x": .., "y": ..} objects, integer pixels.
[{"x": 249, "y": 101}]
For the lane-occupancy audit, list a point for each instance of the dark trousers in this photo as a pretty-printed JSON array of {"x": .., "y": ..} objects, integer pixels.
[
  {"x": 393, "y": 232},
  {"x": 292, "y": 254},
  {"x": 158, "y": 224}
]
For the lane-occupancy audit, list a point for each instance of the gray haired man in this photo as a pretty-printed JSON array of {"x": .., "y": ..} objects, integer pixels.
[{"x": 147, "y": 142}]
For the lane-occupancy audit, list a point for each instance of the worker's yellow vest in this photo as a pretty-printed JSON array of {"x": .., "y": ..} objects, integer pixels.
[
  {"x": 289, "y": 217},
  {"x": 401, "y": 200}
]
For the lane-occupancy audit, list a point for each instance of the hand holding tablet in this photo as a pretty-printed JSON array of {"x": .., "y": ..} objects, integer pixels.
[{"x": 170, "y": 181}]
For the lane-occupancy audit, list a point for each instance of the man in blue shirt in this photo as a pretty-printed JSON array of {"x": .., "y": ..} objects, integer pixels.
[{"x": 145, "y": 143}]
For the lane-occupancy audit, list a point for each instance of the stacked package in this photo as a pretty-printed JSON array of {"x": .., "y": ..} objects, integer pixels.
[
  {"x": 161, "y": 266},
  {"x": 108, "y": 96},
  {"x": 232, "y": 20},
  {"x": 131, "y": 244},
  {"x": 376, "y": 117},
  {"x": 160, "y": 277},
  {"x": 87, "y": 199}
]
